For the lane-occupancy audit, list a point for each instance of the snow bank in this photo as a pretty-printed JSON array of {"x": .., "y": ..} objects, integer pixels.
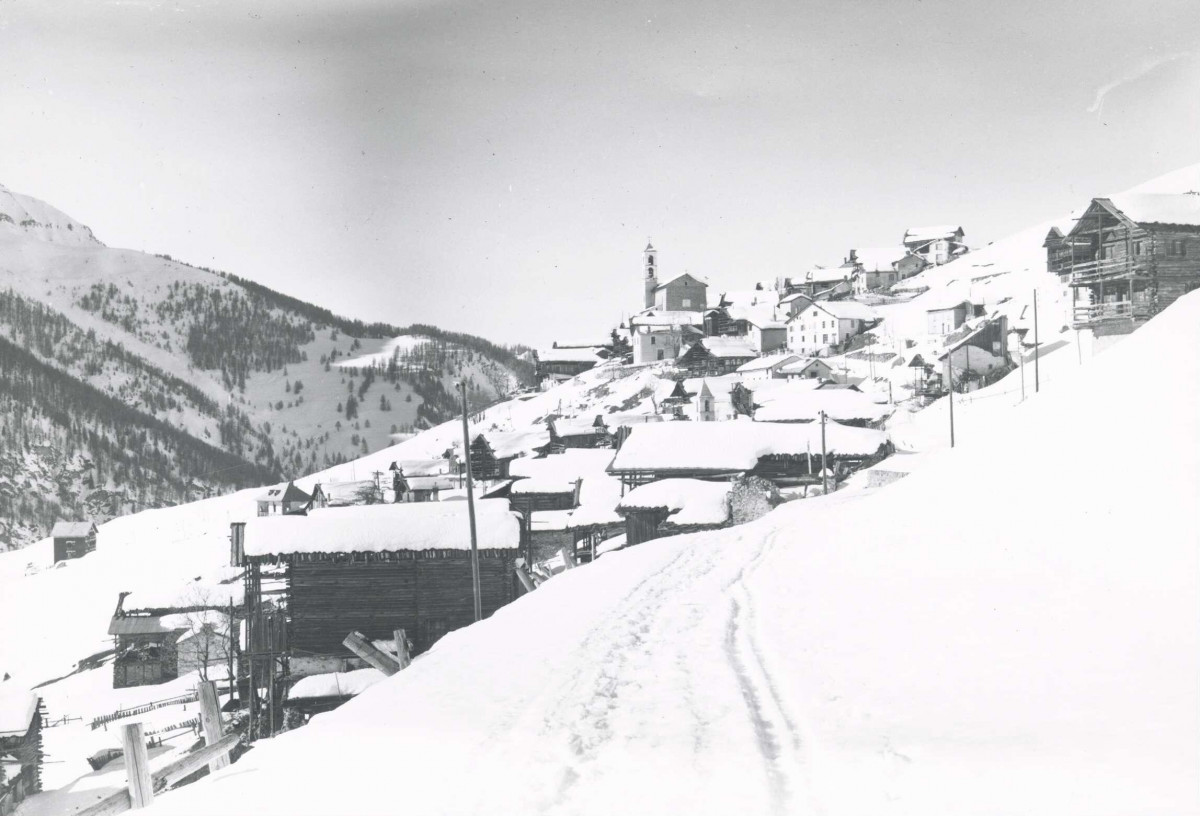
[
  {"x": 335, "y": 684},
  {"x": 385, "y": 528},
  {"x": 688, "y": 501},
  {"x": 806, "y": 406}
]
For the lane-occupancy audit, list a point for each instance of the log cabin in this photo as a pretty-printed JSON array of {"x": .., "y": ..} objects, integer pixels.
[
  {"x": 714, "y": 356},
  {"x": 674, "y": 506},
  {"x": 73, "y": 539},
  {"x": 378, "y": 568},
  {"x": 21, "y": 753},
  {"x": 155, "y": 645},
  {"x": 1127, "y": 258}
]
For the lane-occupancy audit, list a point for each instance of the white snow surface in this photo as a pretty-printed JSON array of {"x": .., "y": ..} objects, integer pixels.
[
  {"x": 385, "y": 528},
  {"x": 17, "y": 705},
  {"x": 841, "y": 404},
  {"x": 689, "y": 501},
  {"x": 335, "y": 684},
  {"x": 1036, "y": 653}
]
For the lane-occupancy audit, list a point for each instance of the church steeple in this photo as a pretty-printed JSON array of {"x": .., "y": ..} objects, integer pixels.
[{"x": 650, "y": 264}]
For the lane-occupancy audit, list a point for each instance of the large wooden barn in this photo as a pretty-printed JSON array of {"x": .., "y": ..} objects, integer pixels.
[
  {"x": 20, "y": 745},
  {"x": 378, "y": 568},
  {"x": 73, "y": 539},
  {"x": 1127, "y": 258}
]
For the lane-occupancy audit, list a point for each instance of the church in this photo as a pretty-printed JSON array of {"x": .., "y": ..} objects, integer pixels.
[{"x": 673, "y": 314}]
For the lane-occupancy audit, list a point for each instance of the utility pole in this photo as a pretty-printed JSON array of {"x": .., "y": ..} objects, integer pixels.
[
  {"x": 824, "y": 467},
  {"x": 950, "y": 393},
  {"x": 462, "y": 387},
  {"x": 1037, "y": 351},
  {"x": 1021, "y": 357}
]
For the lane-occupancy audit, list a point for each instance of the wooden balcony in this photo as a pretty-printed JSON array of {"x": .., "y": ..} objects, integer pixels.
[
  {"x": 1086, "y": 316},
  {"x": 1113, "y": 269}
]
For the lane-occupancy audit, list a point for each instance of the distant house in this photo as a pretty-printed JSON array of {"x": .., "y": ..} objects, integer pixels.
[
  {"x": 789, "y": 305},
  {"x": 935, "y": 245},
  {"x": 657, "y": 335},
  {"x": 563, "y": 363},
  {"x": 846, "y": 405},
  {"x": 822, "y": 283},
  {"x": 674, "y": 506},
  {"x": 807, "y": 368},
  {"x": 346, "y": 494},
  {"x": 567, "y": 433},
  {"x": 910, "y": 265},
  {"x": 155, "y": 645},
  {"x": 824, "y": 326},
  {"x": 875, "y": 267},
  {"x": 946, "y": 316},
  {"x": 682, "y": 293},
  {"x": 73, "y": 539},
  {"x": 377, "y": 569},
  {"x": 714, "y": 356},
  {"x": 283, "y": 500},
  {"x": 21, "y": 753},
  {"x": 767, "y": 368},
  {"x": 758, "y": 325},
  {"x": 1127, "y": 258},
  {"x": 494, "y": 451}
]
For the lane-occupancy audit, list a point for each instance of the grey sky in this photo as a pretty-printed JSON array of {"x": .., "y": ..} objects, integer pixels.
[{"x": 496, "y": 167}]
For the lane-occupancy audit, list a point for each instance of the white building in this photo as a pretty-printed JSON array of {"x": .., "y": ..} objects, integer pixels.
[
  {"x": 937, "y": 244},
  {"x": 767, "y": 368},
  {"x": 663, "y": 335},
  {"x": 826, "y": 324}
]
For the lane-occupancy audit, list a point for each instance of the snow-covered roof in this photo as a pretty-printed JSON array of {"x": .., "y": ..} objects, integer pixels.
[
  {"x": 334, "y": 684},
  {"x": 72, "y": 529},
  {"x": 879, "y": 259},
  {"x": 569, "y": 355},
  {"x": 347, "y": 493},
  {"x": 846, "y": 309},
  {"x": 283, "y": 493},
  {"x": 688, "y": 501},
  {"x": 734, "y": 446},
  {"x": 764, "y": 363},
  {"x": 1159, "y": 208},
  {"x": 761, "y": 315},
  {"x": 507, "y": 444},
  {"x": 917, "y": 235},
  {"x": 819, "y": 274},
  {"x": 385, "y": 528},
  {"x": 443, "y": 481},
  {"x": 806, "y": 406},
  {"x": 794, "y": 296},
  {"x": 662, "y": 317},
  {"x": 576, "y": 427},
  {"x": 674, "y": 278},
  {"x": 17, "y": 708},
  {"x": 800, "y": 365},
  {"x": 542, "y": 485},
  {"x": 423, "y": 467},
  {"x": 728, "y": 347}
]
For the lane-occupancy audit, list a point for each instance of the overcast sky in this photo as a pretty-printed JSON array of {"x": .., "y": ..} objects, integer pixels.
[{"x": 497, "y": 166}]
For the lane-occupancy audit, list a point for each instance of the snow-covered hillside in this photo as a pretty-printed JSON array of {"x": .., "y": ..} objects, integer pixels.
[
  {"x": 233, "y": 384},
  {"x": 1012, "y": 629}
]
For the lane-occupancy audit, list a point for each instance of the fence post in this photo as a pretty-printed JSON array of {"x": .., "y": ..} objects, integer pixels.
[
  {"x": 568, "y": 557},
  {"x": 524, "y": 578},
  {"x": 137, "y": 766},
  {"x": 358, "y": 643},
  {"x": 210, "y": 721},
  {"x": 402, "y": 654}
]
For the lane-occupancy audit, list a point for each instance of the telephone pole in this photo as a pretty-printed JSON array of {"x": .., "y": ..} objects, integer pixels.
[
  {"x": 824, "y": 468},
  {"x": 950, "y": 392},
  {"x": 462, "y": 387},
  {"x": 1037, "y": 351}
]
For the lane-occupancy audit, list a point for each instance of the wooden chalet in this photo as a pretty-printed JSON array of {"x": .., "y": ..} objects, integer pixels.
[
  {"x": 154, "y": 645},
  {"x": 73, "y": 539},
  {"x": 21, "y": 754},
  {"x": 784, "y": 454},
  {"x": 376, "y": 569},
  {"x": 562, "y": 363},
  {"x": 1127, "y": 258},
  {"x": 674, "y": 506},
  {"x": 567, "y": 433},
  {"x": 714, "y": 356},
  {"x": 494, "y": 451},
  {"x": 283, "y": 500}
]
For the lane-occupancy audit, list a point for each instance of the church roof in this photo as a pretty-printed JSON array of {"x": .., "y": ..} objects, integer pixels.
[{"x": 671, "y": 280}]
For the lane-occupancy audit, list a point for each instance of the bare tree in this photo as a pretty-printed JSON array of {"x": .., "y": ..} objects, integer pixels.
[{"x": 210, "y": 632}]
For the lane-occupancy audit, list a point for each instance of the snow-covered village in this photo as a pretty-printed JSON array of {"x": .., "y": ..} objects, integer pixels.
[{"x": 887, "y": 506}]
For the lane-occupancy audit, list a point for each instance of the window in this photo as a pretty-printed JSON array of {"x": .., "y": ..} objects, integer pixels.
[
  {"x": 1176, "y": 248},
  {"x": 1105, "y": 253},
  {"x": 660, "y": 354},
  {"x": 653, "y": 341},
  {"x": 824, "y": 338},
  {"x": 686, "y": 302},
  {"x": 1137, "y": 247}
]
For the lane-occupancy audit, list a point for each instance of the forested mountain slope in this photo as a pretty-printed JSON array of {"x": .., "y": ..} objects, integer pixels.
[{"x": 133, "y": 380}]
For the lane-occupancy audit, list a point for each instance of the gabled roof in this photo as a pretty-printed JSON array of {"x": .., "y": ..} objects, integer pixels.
[
  {"x": 17, "y": 708},
  {"x": 879, "y": 259},
  {"x": 803, "y": 363},
  {"x": 663, "y": 317},
  {"x": 764, "y": 363},
  {"x": 681, "y": 275},
  {"x": 72, "y": 529},
  {"x": 726, "y": 347},
  {"x": 921, "y": 235},
  {"x": 1055, "y": 234},
  {"x": 289, "y": 493},
  {"x": 835, "y": 274},
  {"x": 843, "y": 310},
  {"x": 569, "y": 354},
  {"x": 147, "y": 624},
  {"x": 1182, "y": 209},
  {"x": 794, "y": 296}
]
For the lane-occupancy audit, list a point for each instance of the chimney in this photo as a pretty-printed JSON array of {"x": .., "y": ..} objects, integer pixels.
[{"x": 853, "y": 256}]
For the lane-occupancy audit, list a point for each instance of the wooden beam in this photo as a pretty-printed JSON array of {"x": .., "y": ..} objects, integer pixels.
[
  {"x": 137, "y": 766},
  {"x": 568, "y": 558},
  {"x": 166, "y": 777},
  {"x": 210, "y": 721},
  {"x": 524, "y": 578},
  {"x": 402, "y": 653},
  {"x": 358, "y": 643},
  {"x": 170, "y": 775}
]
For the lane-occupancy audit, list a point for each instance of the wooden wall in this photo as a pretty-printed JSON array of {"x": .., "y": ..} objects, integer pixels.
[{"x": 428, "y": 597}]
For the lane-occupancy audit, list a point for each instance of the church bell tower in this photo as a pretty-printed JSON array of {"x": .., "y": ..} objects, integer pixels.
[{"x": 651, "y": 273}]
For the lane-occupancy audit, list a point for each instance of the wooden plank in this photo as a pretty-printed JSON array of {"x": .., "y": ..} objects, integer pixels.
[
  {"x": 357, "y": 643},
  {"x": 174, "y": 773},
  {"x": 524, "y": 578},
  {"x": 402, "y": 652},
  {"x": 210, "y": 721},
  {"x": 137, "y": 766},
  {"x": 108, "y": 806},
  {"x": 568, "y": 558}
]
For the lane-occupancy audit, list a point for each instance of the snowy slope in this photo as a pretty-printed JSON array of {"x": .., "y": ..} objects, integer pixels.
[{"x": 1012, "y": 629}]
